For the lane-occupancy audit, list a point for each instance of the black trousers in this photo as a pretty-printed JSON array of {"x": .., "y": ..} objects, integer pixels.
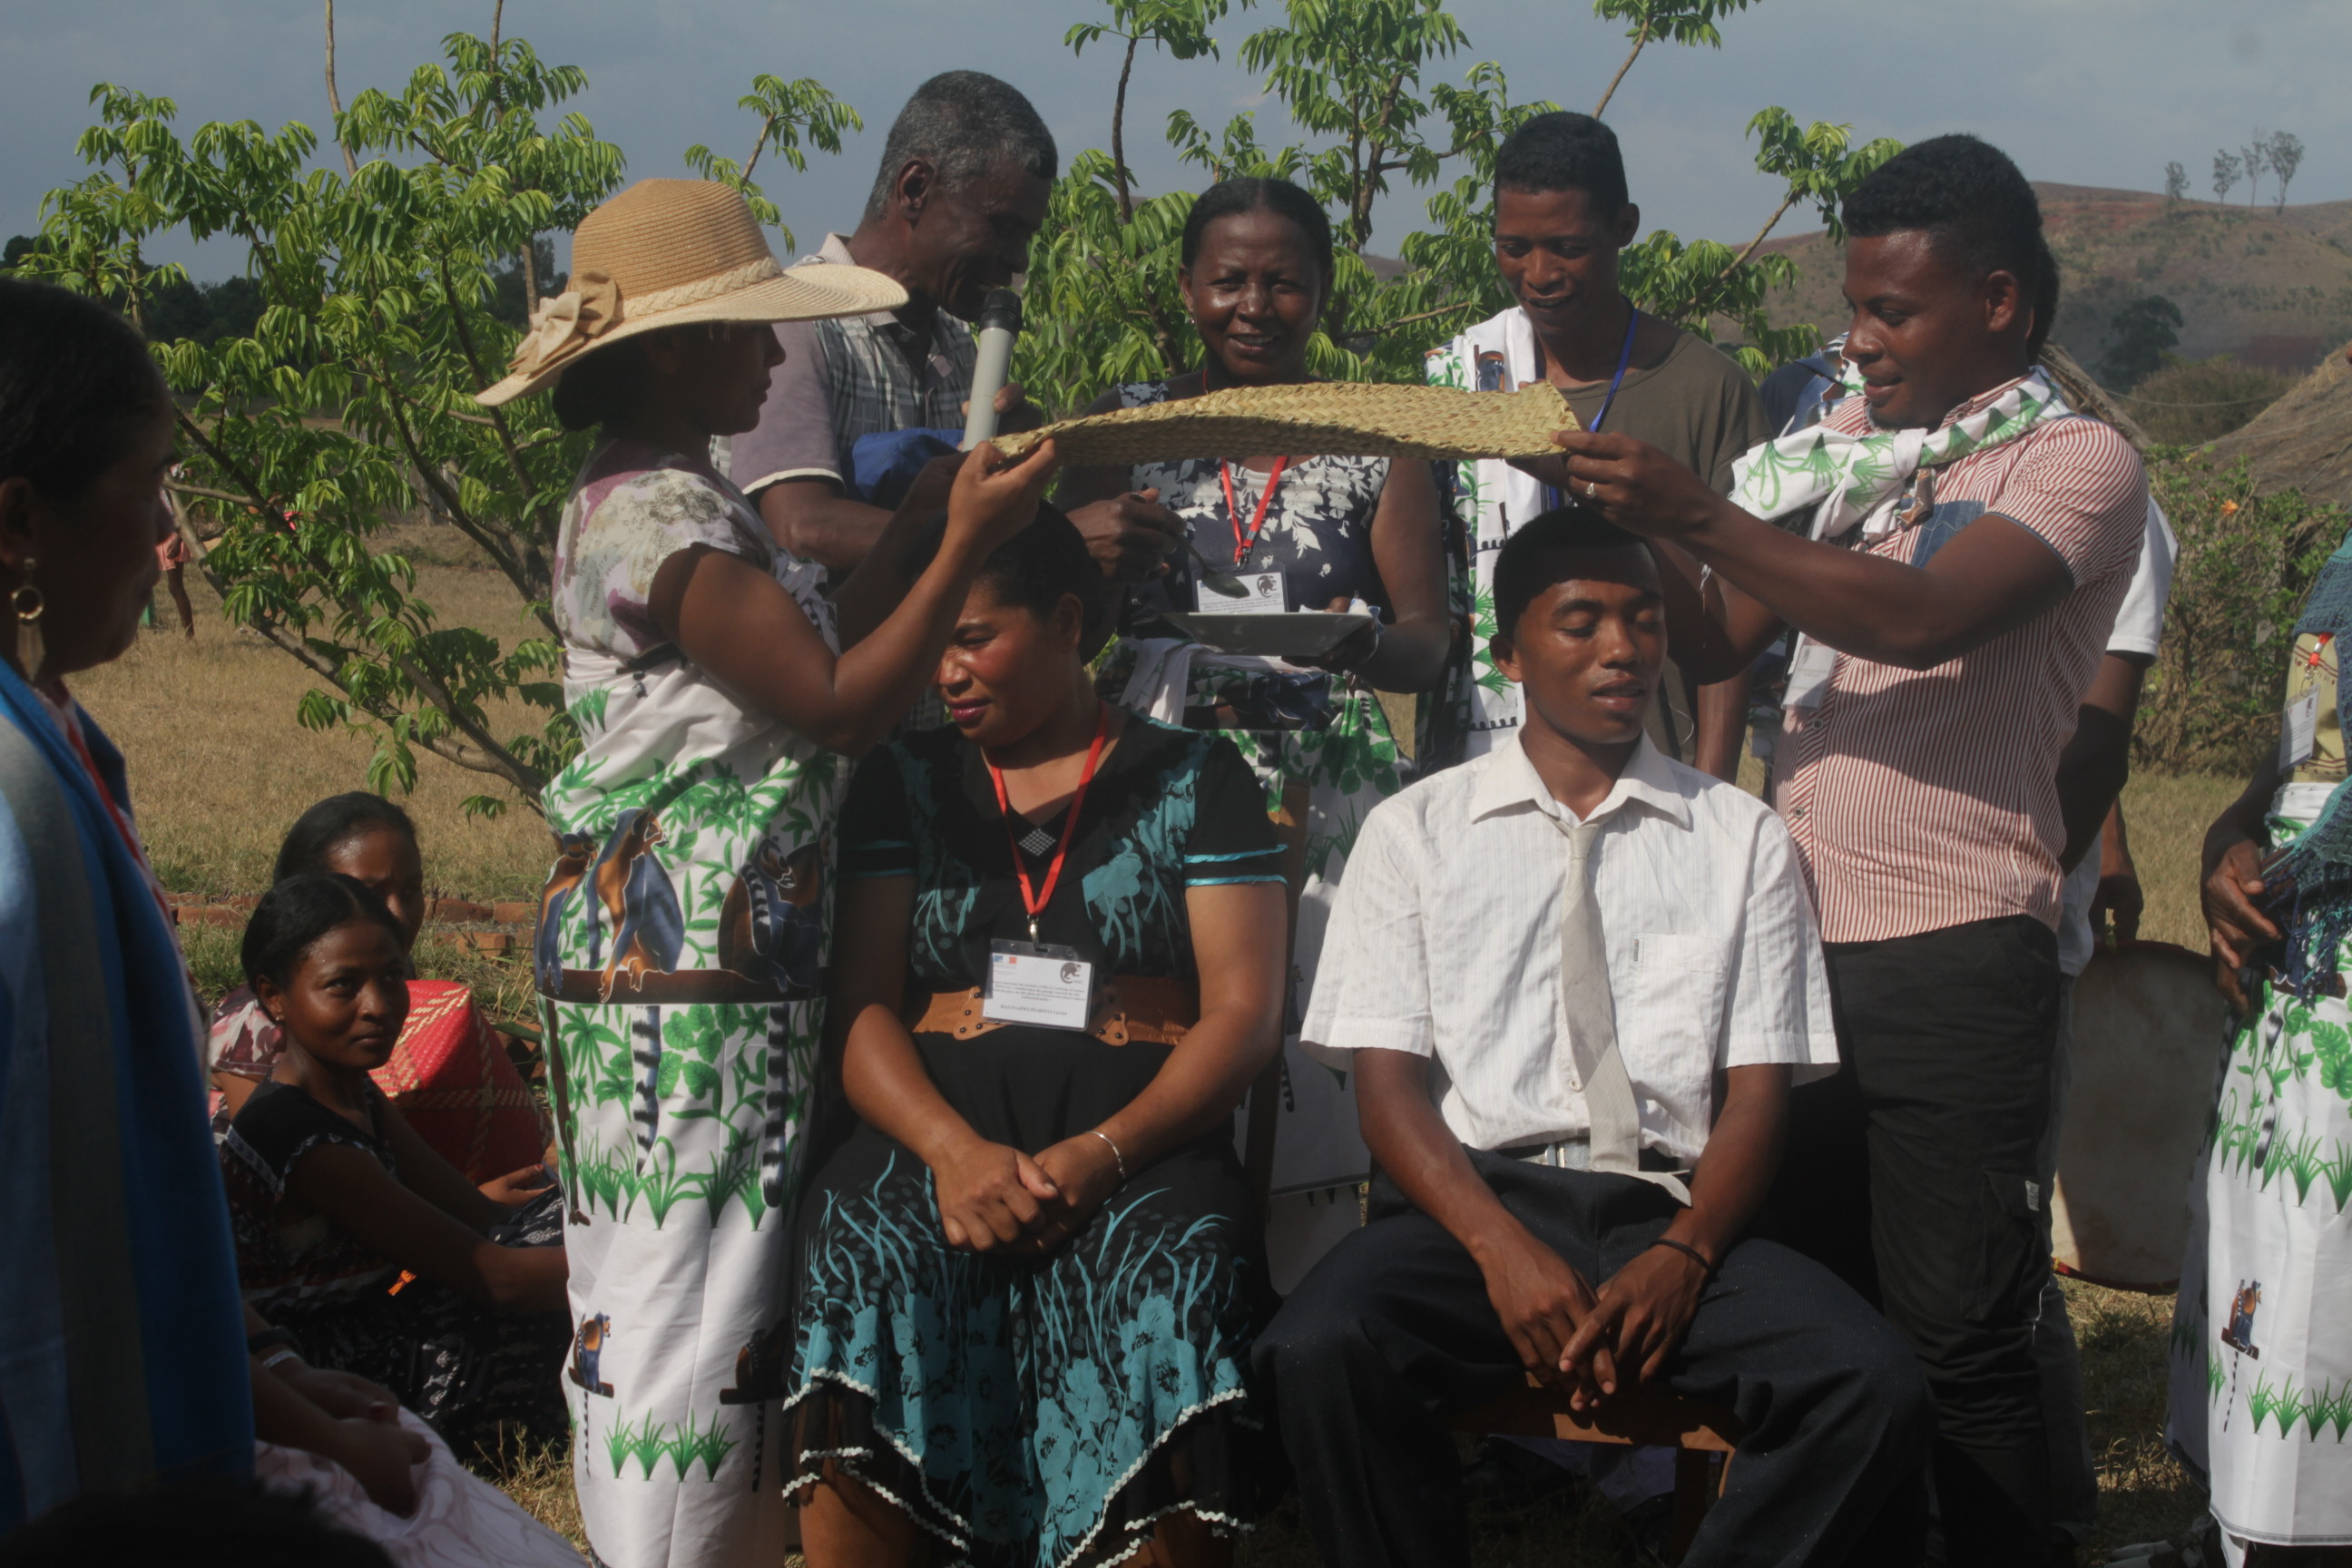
[
  {"x": 1914, "y": 1173},
  {"x": 1393, "y": 1333}
]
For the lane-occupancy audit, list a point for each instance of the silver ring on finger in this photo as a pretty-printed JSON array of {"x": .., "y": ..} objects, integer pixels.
[{"x": 1593, "y": 490}]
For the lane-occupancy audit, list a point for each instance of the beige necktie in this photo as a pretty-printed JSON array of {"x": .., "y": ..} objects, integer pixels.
[{"x": 1589, "y": 1012}]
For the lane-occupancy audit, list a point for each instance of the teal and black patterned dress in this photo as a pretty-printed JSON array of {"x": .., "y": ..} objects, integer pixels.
[{"x": 1041, "y": 1414}]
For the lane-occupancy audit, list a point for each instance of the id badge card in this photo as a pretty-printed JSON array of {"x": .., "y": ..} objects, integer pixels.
[
  {"x": 1809, "y": 669},
  {"x": 1038, "y": 983},
  {"x": 1268, "y": 595},
  {"x": 2299, "y": 732}
]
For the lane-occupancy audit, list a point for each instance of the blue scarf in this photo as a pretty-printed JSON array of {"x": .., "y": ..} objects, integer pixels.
[
  {"x": 122, "y": 1334},
  {"x": 2307, "y": 888}
]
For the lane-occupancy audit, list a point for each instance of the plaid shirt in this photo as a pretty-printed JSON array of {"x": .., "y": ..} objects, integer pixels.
[{"x": 851, "y": 377}]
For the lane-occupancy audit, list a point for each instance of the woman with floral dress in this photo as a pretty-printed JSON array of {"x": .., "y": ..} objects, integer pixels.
[
  {"x": 1341, "y": 531},
  {"x": 683, "y": 933},
  {"x": 2262, "y": 1346}
]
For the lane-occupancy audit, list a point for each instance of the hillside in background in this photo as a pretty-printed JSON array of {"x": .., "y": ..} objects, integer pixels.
[{"x": 2275, "y": 289}]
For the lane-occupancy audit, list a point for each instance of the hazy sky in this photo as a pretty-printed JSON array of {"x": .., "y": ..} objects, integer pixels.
[{"x": 2090, "y": 91}]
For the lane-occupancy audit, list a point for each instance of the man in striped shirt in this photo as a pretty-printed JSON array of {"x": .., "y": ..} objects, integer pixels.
[{"x": 1969, "y": 543}]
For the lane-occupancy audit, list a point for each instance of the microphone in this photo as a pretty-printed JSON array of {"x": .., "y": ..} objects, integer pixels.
[{"x": 1000, "y": 323}]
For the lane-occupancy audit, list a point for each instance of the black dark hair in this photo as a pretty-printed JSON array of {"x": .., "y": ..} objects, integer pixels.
[
  {"x": 1976, "y": 208},
  {"x": 1229, "y": 198},
  {"x": 965, "y": 125},
  {"x": 190, "y": 1524},
  {"x": 600, "y": 387},
  {"x": 1529, "y": 561},
  {"x": 334, "y": 821},
  {"x": 294, "y": 915},
  {"x": 1033, "y": 569},
  {"x": 75, "y": 378},
  {"x": 1564, "y": 152}
]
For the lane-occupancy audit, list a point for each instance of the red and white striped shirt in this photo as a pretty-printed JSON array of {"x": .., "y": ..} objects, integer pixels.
[{"x": 1921, "y": 799}]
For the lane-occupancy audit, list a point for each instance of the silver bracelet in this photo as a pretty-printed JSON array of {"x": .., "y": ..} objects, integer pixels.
[{"x": 1117, "y": 1158}]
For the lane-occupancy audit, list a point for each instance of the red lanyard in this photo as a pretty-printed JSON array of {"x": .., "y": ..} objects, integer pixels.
[
  {"x": 1243, "y": 544},
  {"x": 1031, "y": 899}
]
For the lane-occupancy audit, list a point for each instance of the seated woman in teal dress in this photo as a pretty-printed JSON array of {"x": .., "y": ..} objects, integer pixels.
[{"x": 1032, "y": 1273}]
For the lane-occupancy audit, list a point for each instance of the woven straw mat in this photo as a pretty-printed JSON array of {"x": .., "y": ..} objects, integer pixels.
[{"x": 1325, "y": 418}]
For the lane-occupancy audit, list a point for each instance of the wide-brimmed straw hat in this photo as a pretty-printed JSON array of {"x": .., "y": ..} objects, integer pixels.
[{"x": 667, "y": 252}]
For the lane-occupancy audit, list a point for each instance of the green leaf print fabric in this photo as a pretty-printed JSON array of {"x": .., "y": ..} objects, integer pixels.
[
  {"x": 2262, "y": 1344},
  {"x": 683, "y": 938}
]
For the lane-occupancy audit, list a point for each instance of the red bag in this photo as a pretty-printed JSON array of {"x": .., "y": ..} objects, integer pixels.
[{"x": 451, "y": 1078}]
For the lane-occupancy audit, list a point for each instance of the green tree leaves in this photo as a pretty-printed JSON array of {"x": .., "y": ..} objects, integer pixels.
[
  {"x": 789, "y": 112},
  {"x": 1366, "y": 79},
  {"x": 345, "y": 403}
]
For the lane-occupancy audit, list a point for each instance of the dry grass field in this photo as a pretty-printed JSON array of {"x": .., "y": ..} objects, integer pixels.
[{"x": 219, "y": 768}]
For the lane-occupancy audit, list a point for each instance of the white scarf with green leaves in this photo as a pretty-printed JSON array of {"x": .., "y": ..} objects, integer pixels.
[{"x": 1852, "y": 479}]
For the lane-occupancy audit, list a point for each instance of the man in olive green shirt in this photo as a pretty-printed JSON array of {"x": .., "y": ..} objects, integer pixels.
[{"x": 1561, "y": 218}]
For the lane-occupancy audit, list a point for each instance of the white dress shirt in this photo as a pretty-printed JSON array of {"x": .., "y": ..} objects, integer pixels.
[{"x": 1446, "y": 940}]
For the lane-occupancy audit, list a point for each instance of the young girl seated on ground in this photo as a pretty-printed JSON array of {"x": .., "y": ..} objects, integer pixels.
[
  {"x": 353, "y": 1234},
  {"x": 449, "y": 1072}
]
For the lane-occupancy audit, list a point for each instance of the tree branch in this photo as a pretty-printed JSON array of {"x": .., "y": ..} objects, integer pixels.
[
  {"x": 335, "y": 99},
  {"x": 486, "y": 755},
  {"x": 497, "y": 417},
  {"x": 1740, "y": 260},
  {"x": 758, "y": 147},
  {"x": 177, "y": 487},
  {"x": 499, "y": 550},
  {"x": 1425, "y": 315},
  {"x": 1640, "y": 38},
  {"x": 1119, "y": 133},
  {"x": 498, "y": 21}
]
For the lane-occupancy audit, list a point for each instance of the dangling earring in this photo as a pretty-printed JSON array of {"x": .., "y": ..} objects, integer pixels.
[{"x": 31, "y": 649}]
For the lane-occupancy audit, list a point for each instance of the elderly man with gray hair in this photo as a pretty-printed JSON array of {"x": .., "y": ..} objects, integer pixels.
[{"x": 966, "y": 174}]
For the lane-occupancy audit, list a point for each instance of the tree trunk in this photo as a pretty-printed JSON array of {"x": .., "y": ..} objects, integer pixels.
[
  {"x": 497, "y": 20},
  {"x": 1118, "y": 135},
  {"x": 335, "y": 99}
]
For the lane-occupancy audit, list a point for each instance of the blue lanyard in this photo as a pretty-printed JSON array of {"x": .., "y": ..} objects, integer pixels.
[{"x": 1553, "y": 501}]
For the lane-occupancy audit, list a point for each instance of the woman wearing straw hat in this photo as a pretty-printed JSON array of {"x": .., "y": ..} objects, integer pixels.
[
  {"x": 1257, "y": 270},
  {"x": 684, "y": 930}
]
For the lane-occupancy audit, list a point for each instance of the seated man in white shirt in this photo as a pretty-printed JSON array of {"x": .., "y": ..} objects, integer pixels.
[{"x": 1575, "y": 980}]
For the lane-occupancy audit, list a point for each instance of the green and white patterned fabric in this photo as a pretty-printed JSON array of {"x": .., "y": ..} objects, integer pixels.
[
  {"x": 1492, "y": 500},
  {"x": 686, "y": 928},
  {"x": 1852, "y": 480},
  {"x": 2262, "y": 1344}
]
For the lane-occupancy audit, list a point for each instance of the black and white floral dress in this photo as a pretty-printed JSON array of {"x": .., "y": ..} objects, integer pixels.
[{"x": 1298, "y": 729}]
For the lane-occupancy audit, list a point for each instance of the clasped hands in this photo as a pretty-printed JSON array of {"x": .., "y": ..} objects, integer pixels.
[
  {"x": 993, "y": 1198},
  {"x": 1593, "y": 1344}
]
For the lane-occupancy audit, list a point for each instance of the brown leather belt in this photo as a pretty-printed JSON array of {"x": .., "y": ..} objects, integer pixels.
[
  {"x": 1127, "y": 1008},
  {"x": 656, "y": 986}
]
